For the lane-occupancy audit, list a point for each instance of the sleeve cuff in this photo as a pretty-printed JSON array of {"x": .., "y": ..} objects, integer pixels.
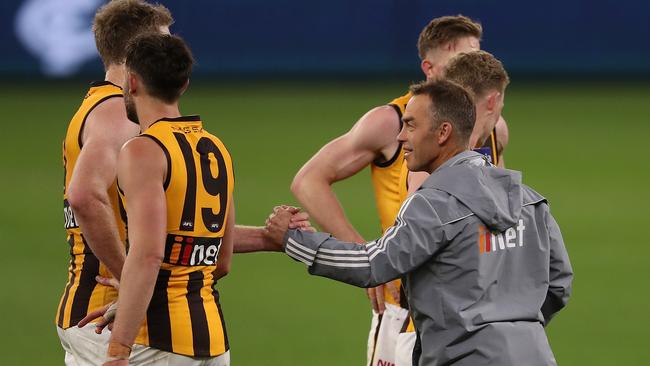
[{"x": 297, "y": 246}]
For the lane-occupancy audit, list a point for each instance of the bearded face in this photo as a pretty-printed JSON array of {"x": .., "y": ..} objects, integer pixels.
[{"x": 131, "y": 111}]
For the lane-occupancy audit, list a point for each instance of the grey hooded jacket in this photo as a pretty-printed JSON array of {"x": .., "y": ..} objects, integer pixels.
[{"x": 482, "y": 260}]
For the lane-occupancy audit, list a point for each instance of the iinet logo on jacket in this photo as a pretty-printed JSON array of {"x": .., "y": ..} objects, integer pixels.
[{"x": 491, "y": 242}]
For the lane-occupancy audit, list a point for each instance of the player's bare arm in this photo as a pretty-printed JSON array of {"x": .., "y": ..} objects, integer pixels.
[
  {"x": 106, "y": 130},
  {"x": 141, "y": 171},
  {"x": 248, "y": 239},
  {"x": 225, "y": 251},
  {"x": 371, "y": 138},
  {"x": 502, "y": 140}
]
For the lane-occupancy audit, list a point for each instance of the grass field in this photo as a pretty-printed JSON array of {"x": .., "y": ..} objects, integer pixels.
[{"x": 583, "y": 145}]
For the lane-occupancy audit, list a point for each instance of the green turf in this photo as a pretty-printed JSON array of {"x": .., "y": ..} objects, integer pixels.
[{"x": 581, "y": 145}]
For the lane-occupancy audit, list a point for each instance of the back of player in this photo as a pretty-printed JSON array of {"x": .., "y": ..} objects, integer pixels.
[
  {"x": 176, "y": 181},
  {"x": 82, "y": 293},
  {"x": 184, "y": 315}
]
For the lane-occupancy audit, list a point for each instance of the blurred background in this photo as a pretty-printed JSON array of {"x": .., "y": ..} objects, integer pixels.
[{"x": 278, "y": 79}]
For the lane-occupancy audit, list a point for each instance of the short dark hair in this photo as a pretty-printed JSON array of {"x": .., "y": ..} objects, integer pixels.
[
  {"x": 478, "y": 71},
  {"x": 163, "y": 61},
  {"x": 117, "y": 22},
  {"x": 451, "y": 103},
  {"x": 445, "y": 29}
]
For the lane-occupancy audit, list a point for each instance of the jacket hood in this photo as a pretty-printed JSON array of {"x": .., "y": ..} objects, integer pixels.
[{"x": 493, "y": 194}]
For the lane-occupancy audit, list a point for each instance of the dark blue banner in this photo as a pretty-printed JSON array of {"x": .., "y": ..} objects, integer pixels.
[{"x": 53, "y": 37}]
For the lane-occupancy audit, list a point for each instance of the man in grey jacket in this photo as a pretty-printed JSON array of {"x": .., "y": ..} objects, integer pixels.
[{"x": 482, "y": 259}]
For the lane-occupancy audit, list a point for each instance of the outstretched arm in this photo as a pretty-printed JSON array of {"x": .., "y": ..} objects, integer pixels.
[
  {"x": 248, "y": 239},
  {"x": 415, "y": 238}
]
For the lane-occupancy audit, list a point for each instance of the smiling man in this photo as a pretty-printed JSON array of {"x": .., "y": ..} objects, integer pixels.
[{"x": 483, "y": 261}]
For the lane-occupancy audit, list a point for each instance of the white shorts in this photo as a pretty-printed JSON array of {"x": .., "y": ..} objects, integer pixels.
[
  {"x": 147, "y": 356},
  {"x": 84, "y": 347},
  {"x": 404, "y": 349},
  {"x": 383, "y": 335}
]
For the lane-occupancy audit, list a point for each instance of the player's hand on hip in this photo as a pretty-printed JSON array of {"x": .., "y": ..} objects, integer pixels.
[
  {"x": 108, "y": 281},
  {"x": 107, "y": 315},
  {"x": 277, "y": 224}
]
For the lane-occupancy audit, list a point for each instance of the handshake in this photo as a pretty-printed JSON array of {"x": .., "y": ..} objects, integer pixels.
[{"x": 281, "y": 220}]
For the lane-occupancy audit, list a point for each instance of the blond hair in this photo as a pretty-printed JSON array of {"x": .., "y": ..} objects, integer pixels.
[
  {"x": 477, "y": 71},
  {"x": 119, "y": 21},
  {"x": 446, "y": 29}
]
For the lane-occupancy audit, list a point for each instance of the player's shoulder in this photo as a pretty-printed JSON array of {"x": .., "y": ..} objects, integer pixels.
[
  {"x": 109, "y": 115},
  {"x": 141, "y": 147},
  {"x": 401, "y": 101},
  {"x": 217, "y": 141},
  {"x": 142, "y": 160},
  {"x": 380, "y": 119}
]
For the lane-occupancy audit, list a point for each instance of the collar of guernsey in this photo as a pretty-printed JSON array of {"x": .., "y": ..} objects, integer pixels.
[
  {"x": 385, "y": 176},
  {"x": 190, "y": 118}
]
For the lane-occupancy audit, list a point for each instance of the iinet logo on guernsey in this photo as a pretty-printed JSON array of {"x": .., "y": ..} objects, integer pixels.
[{"x": 511, "y": 238}]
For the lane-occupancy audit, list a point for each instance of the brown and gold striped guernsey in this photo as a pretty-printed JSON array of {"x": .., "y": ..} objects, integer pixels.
[
  {"x": 82, "y": 293},
  {"x": 386, "y": 182},
  {"x": 184, "y": 315}
]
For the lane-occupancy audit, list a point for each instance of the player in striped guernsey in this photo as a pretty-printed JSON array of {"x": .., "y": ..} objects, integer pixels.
[
  {"x": 372, "y": 141},
  {"x": 90, "y": 149},
  {"x": 177, "y": 183}
]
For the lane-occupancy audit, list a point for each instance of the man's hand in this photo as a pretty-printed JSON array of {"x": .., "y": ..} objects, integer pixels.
[
  {"x": 107, "y": 315},
  {"x": 377, "y": 299},
  {"x": 106, "y": 312},
  {"x": 108, "y": 281},
  {"x": 299, "y": 220},
  {"x": 278, "y": 223}
]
